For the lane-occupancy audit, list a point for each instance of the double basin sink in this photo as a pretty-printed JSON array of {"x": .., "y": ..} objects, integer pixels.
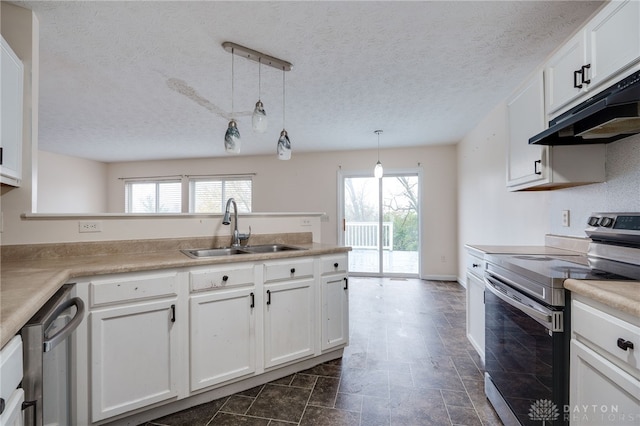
[{"x": 232, "y": 251}]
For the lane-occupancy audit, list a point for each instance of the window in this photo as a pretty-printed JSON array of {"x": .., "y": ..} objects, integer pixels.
[
  {"x": 209, "y": 195},
  {"x": 163, "y": 196}
]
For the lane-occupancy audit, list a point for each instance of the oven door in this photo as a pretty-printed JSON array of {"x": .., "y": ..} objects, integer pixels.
[{"x": 526, "y": 357}]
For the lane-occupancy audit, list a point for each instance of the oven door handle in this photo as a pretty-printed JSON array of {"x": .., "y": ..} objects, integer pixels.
[
  {"x": 533, "y": 313},
  {"x": 62, "y": 334}
]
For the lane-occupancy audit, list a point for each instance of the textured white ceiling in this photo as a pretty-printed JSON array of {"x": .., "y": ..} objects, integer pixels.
[{"x": 149, "y": 80}]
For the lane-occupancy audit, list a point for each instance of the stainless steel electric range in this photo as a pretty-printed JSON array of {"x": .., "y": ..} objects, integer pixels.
[{"x": 527, "y": 318}]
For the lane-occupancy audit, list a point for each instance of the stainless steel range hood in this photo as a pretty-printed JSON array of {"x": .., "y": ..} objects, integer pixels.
[{"x": 608, "y": 116}]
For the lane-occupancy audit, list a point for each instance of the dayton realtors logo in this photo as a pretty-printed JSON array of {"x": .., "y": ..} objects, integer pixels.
[{"x": 543, "y": 410}]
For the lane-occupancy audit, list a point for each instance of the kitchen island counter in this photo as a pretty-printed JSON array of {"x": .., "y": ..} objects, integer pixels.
[{"x": 28, "y": 283}]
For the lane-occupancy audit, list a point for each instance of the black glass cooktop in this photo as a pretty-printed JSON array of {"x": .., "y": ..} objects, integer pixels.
[{"x": 545, "y": 268}]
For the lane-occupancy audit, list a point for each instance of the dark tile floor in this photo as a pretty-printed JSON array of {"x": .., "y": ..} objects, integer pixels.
[{"x": 408, "y": 363}]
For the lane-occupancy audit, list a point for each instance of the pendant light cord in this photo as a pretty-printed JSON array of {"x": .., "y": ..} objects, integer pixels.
[
  {"x": 259, "y": 77},
  {"x": 232, "y": 73},
  {"x": 378, "y": 133},
  {"x": 283, "y": 98}
]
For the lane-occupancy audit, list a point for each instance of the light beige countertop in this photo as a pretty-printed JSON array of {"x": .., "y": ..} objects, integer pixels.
[
  {"x": 621, "y": 295},
  {"x": 30, "y": 275},
  {"x": 490, "y": 249}
]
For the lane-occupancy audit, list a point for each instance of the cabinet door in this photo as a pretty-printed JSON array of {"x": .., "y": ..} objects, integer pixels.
[
  {"x": 526, "y": 163},
  {"x": 134, "y": 356},
  {"x": 613, "y": 40},
  {"x": 222, "y": 335},
  {"x": 288, "y": 321},
  {"x": 600, "y": 392},
  {"x": 335, "y": 311},
  {"x": 475, "y": 313},
  {"x": 11, "y": 113},
  {"x": 559, "y": 74}
]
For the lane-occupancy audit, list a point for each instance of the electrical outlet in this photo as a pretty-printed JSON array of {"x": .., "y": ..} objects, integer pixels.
[
  {"x": 565, "y": 217},
  {"x": 305, "y": 222},
  {"x": 89, "y": 226}
]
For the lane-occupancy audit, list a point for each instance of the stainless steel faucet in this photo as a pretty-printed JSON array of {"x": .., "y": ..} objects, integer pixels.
[{"x": 226, "y": 220}]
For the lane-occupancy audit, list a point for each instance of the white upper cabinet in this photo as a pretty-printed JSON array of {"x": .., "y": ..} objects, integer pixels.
[
  {"x": 613, "y": 41},
  {"x": 11, "y": 117},
  {"x": 563, "y": 74},
  {"x": 593, "y": 59},
  {"x": 545, "y": 167},
  {"x": 526, "y": 118}
]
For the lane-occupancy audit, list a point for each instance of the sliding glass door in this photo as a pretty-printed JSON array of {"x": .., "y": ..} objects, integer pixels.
[{"x": 381, "y": 223}]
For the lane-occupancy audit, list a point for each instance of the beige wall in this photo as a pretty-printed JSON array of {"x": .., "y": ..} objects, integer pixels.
[
  {"x": 489, "y": 214},
  {"x": 70, "y": 184},
  {"x": 309, "y": 183}
]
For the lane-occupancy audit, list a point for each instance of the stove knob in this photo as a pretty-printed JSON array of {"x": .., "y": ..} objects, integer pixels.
[
  {"x": 593, "y": 221},
  {"x": 607, "y": 222}
]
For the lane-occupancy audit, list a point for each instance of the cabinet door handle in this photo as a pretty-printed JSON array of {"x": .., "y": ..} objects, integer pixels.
[
  {"x": 173, "y": 313},
  {"x": 268, "y": 297},
  {"x": 535, "y": 167},
  {"x": 346, "y": 283},
  {"x": 253, "y": 300},
  {"x": 576, "y": 82},
  {"x": 625, "y": 344},
  {"x": 584, "y": 71}
]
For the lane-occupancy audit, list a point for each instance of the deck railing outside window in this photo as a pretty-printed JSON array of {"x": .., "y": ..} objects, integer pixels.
[{"x": 364, "y": 235}]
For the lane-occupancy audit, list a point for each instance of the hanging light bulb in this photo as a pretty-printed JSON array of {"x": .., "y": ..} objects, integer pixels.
[
  {"x": 377, "y": 170},
  {"x": 259, "y": 120},
  {"x": 284, "y": 144},
  {"x": 232, "y": 136}
]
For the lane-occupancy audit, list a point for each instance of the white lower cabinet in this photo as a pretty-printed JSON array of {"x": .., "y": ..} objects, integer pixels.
[
  {"x": 335, "y": 302},
  {"x": 133, "y": 346},
  {"x": 605, "y": 367},
  {"x": 475, "y": 301},
  {"x": 289, "y": 326},
  {"x": 156, "y": 337},
  {"x": 222, "y": 336}
]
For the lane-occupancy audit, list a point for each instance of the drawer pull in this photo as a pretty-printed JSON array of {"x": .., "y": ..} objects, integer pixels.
[
  {"x": 476, "y": 265},
  {"x": 293, "y": 270},
  {"x": 624, "y": 344},
  {"x": 335, "y": 265},
  {"x": 225, "y": 278}
]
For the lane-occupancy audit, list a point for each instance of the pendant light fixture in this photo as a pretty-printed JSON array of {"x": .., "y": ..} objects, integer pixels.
[
  {"x": 377, "y": 170},
  {"x": 232, "y": 136},
  {"x": 259, "y": 117},
  {"x": 284, "y": 144},
  {"x": 259, "y": 120}
]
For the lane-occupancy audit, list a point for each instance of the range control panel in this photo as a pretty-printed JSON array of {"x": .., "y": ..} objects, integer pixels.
[{"x": 620, "y": 227}]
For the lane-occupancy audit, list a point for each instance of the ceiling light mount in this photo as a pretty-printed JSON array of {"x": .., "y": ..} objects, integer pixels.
[{"x": 254, "y": 55}]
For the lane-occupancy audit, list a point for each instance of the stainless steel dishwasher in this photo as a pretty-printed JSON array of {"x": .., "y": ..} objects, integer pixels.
[{"x": 46, "y": 343}]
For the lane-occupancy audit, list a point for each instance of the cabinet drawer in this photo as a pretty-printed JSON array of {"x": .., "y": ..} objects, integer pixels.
[
  {"x": 130, "y": 287},
  {"x": 603, "y": 330},
  {"x": 224, "y": 277},
  {"x": 475, "y": 265},
  {"x": 334, "y": 264},
  {"x": 288, "y": 269}
]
